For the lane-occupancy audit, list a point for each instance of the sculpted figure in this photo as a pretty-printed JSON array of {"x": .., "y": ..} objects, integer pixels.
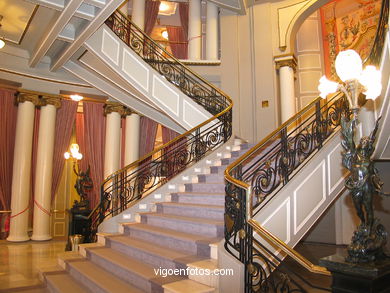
[{"x": 363, "y": 183}]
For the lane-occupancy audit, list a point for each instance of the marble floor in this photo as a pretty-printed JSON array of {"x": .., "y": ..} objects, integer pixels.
[{"x": 20, "y": 262}]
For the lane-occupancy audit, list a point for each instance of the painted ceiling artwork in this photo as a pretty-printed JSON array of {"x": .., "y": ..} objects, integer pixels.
[{"x": 348, "y": 24}]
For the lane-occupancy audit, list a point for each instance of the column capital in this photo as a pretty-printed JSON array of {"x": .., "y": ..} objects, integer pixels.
[
  {"x": 38, "y": 100},
  {"x": 50, "y": 100},
  {"x": 110, "y": 107},
  {"x": 286, "y": 60}
]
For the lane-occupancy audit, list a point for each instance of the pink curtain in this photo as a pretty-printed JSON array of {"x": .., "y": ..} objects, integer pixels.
[
  {"x": 168, "y": 134},
  {"x": 151, "y": 12},
  {"x": 63, "y": 131},
  {"x": 94, "y": 132},
  {"x": 8, "y": 114},
  {"x": 178, "y": 42},
  {"x": 148, "y": 129},
  {"x": 83, "y": 164},
  {"x": 183, "y": 11}
]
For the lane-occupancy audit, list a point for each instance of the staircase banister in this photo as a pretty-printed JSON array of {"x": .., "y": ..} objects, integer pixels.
[
  {"x": 287, "y": 249},
  {"x": 255, "y": 148},
  {"x": 174, "y": 58}
]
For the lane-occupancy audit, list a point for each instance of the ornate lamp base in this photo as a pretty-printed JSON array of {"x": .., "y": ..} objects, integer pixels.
[{"x": 373, "y": 277}]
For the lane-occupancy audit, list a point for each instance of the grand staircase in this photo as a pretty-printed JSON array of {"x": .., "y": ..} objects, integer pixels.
[{"x": 182, "y": 232}]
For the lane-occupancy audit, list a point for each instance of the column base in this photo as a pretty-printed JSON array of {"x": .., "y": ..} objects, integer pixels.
[
  {"x": 41, "y": 237},
  {"x": 372, "y": 277},
  {"x": 18, "y": 238}
]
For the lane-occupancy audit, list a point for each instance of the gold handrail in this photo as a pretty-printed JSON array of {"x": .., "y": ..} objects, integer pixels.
[{"x": 288, "y": 250}]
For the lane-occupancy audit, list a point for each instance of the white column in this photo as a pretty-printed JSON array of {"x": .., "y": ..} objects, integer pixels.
[
  {"x": 194, "y": 30},
  {"x": 20, "y": 199},
  {"x": 138, "y": 13},
  {"x": 286, "y": 66},
  {"x": 43, "y": 173},
  {"x": 112, "y": 143},
  {"x": 212, "y": 32},
  {"x": 132, "y": 138}
]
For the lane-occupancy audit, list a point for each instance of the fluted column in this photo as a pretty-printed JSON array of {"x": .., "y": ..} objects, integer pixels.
[
  {"x": 132, "y": 138},
  {"x": 194, "y": 30},
  {"x": 112, "y": 143},
  {"x": 21, "y": 172},
  {"x": 138, "y": 13},
  {"x": 212, "y": 32},
  {"x": 286, "y": 66},
  {"x": 44, "y": 170}
]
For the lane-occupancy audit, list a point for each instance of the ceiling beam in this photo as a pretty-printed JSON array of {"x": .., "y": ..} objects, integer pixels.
[
  {"x": 103, "y": 14},
  {"x": 53, "y": 32}
]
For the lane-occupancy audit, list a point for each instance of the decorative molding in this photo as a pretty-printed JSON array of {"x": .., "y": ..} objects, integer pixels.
[
  {"x": 111, "y": 107},
  {"x": 56, "y": 102},
  {"x": 39, "y": 100},
  {"x": 286, "y": 60}
]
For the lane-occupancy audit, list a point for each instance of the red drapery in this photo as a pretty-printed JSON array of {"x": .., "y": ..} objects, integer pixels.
[
  {"x": 8, "y": 114},
  {"x": 177, "y": 42},
  {"x": 83, "y": 164},
  {"x": 94, "y": 123},
  {"x": 183, "y": 11},
  {"x": 151, "y": 12},
  {"x": 148, "y": 129},
  {"x": 63, "y": 131}
]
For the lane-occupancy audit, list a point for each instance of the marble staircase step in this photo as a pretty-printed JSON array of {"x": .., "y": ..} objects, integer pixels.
[
  {"x": 63, "y": 283},
  {"x": 194, "y": 244},
  {"x": 199, "y": 198},
  {"x": 215, "y": 212},
  {"x": 206, "y": 227},
  {"x": 99, "y": 280},
  {"x": 130, "y": 270},
  {"x": 152, "y": 253}
]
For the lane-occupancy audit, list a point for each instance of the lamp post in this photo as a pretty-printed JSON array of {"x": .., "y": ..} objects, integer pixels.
[{"x": 363, "y": 181}]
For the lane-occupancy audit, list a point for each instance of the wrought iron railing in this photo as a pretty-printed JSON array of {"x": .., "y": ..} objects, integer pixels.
[
  {"x": 265, "y": 169},
  {"x": 258, "y": 175},
  {"x": 123, "y": 188}
]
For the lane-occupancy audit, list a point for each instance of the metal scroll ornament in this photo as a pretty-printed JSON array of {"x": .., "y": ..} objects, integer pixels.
[{"x": 363, "y": 183}]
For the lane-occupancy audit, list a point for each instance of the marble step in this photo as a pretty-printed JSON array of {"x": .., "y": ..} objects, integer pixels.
[
  {"x": 152, "y": 253},
  {"x": 205, "y": 187},
  {"x": 186, "y": 242},
  {"x": 130, "y": 270},
  {"x": 63, "y": 283},
  {"x": 199, "y": 226},
  {"x": 199, "y": 198},
  {"x": 97, "y": 279},
  {"x": 211, "y": 178},
  {"x": 207, "y": 211}
]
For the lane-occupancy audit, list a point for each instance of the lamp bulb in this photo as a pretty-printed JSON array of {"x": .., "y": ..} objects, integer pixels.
[
  {"x": 348, "y": 65},
  {"x": 327, "y": 87}
]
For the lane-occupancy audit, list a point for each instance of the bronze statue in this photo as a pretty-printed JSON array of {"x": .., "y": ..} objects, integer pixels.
[
  {"x": 83, "y": 185},
  {"x": 363, "y": 183}
]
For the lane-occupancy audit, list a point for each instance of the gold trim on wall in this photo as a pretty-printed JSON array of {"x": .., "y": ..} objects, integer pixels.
[{"x": 44, "y": 79}]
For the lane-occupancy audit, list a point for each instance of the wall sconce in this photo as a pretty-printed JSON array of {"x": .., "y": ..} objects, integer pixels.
[
  {"x": 164, "y": 34},
  {"x": 76, "y": 98},
  {"x": 363, "y": 182}
]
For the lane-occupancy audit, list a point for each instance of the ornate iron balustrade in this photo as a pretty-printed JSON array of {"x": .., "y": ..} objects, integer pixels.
[
  {"x": 123, "y": 188},
  {"x": 265, "y": 169}
]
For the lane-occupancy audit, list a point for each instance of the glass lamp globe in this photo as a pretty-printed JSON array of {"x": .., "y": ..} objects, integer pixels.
[{"x": 348, "y": 65}]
